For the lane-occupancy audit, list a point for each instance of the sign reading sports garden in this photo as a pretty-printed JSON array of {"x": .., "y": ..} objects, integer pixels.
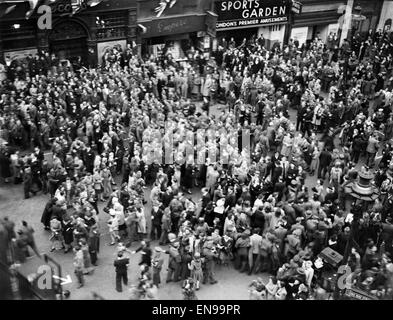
[{"x": 250, "y": 13}]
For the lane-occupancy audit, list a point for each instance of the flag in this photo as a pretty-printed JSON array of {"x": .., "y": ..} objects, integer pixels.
[
  {"x": 77, "y": 5},
  {"x": 6, "y": 10},
  {"x": 33, "y": 5},
  {"x": 93, "y": 3}
]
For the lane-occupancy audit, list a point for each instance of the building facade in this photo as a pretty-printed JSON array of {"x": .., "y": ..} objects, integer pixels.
[
  {"x": 238, "y": 19},
  {"x": 175, "y": 27},
  {"x": 86, "y": 34},
  {"x": 278, "y": 22},
  {"x": 321, "y": 18}
]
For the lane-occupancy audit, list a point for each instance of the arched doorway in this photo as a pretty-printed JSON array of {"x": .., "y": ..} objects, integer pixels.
[{"x": 68, "y": 40}]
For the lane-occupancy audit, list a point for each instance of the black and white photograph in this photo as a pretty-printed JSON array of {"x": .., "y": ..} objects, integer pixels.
[{"x": 218, "y": 151}]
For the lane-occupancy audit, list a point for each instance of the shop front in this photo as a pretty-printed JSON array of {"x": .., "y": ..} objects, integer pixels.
[
  {"x": 72, "y": 35},
  {"x": 245, "y": 19},
  {"x": 322, "y": 18},
  {"x": 174, "y": 29}
]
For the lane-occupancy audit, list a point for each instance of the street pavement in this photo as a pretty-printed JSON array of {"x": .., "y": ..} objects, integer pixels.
[{"x": 231, "y": 284}]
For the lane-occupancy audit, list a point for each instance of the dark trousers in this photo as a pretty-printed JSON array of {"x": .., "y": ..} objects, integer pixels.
[
  {"x": 79, "y": 276},
  {"x": 119, "y": 277},
  {"x": 155, "y": 232},
  {"x": 259, "y": 119},
  {"x": 355, "y": 156},
  {"x": 175, "y": 223},
  {"x": 306, "y": 128},
  {"x": 93, "y": 257},
  {"x": 322, "y": 170},
  {"x": 299, "y": 124},
  {"x": 174, "y": 270},
  {"x": 27, "y": 189},
  {"x": 370, "y": 159}
]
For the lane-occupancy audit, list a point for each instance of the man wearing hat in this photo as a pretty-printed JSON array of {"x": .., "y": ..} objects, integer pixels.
[
  {"x": 174, "y": 261},
  {"x": 156, "y": 214},
  {"x": 121, "y": 264},
  {"x": 27, "y": 182}
]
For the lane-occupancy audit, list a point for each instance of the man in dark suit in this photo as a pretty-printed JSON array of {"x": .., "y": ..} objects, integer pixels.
[
  {"x": 279, "y": 187},
  {"x": 277, "y": 172},
  {"x": 156, "y": 213},
  {"x": 167, "y": 197},
  {"x": 121, "y": 264},
  {"x": 230, "y": 199},
  {"x": 88, "y": 158},
  {"x": 325, "y": 158}
]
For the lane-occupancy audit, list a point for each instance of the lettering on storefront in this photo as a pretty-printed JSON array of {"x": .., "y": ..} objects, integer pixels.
[
  {"x": 174, "y": 27},
  {"x": 240, "y": 13}
]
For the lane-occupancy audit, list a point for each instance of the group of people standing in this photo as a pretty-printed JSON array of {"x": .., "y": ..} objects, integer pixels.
[{"x": 109, "y": 130}]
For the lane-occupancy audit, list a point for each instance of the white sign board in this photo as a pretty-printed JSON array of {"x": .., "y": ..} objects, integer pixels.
[
  {"x": 299, "y": 34},
  {"x": 102, "y": 47}
]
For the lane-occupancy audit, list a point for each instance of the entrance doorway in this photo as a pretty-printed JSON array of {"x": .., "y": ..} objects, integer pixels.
[
  {"x": 238, "y": 35},
  {"x": 68, "y": 41}
]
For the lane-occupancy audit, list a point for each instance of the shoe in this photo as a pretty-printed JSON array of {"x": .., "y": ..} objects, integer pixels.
[
  {"x": 111, "y": 244},
  {"x": 213, "y": 282},
  {"x": 52, "y": 249}
]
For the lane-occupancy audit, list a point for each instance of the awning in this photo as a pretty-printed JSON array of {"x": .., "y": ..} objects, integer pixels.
[
  {"x": 316, "y": 18},
  {"x": 173, "y": 25}
]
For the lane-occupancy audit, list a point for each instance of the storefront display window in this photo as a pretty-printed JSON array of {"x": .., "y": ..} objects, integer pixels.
[{"x": 111, "y": 26}]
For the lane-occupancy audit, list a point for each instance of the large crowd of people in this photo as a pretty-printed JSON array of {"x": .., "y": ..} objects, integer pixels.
[{"x": 135, "y": 123}]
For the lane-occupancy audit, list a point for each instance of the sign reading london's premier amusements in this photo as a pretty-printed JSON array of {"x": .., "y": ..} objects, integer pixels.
[{"x": 234, "y": 14}]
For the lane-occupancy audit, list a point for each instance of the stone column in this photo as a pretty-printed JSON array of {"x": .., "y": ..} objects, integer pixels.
[
  {"x": 92, "y": 40},
  {"x": 131, "y": 32},
  {"x": 1, "y": 48},
  {"x": 42, "y": 40},
  {"x": 346, "y": 27},
  {"x": 131, "y": 26}
]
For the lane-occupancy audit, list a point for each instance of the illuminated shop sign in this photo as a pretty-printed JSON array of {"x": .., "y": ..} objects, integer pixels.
[{"x": 243, "y": 13}]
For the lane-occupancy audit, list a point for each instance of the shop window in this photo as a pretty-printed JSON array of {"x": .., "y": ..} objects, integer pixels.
[
  {"x": 110, "y": 26},
  {"x": 18, "y": 35},
  {"x": 275, "y": 28}
]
